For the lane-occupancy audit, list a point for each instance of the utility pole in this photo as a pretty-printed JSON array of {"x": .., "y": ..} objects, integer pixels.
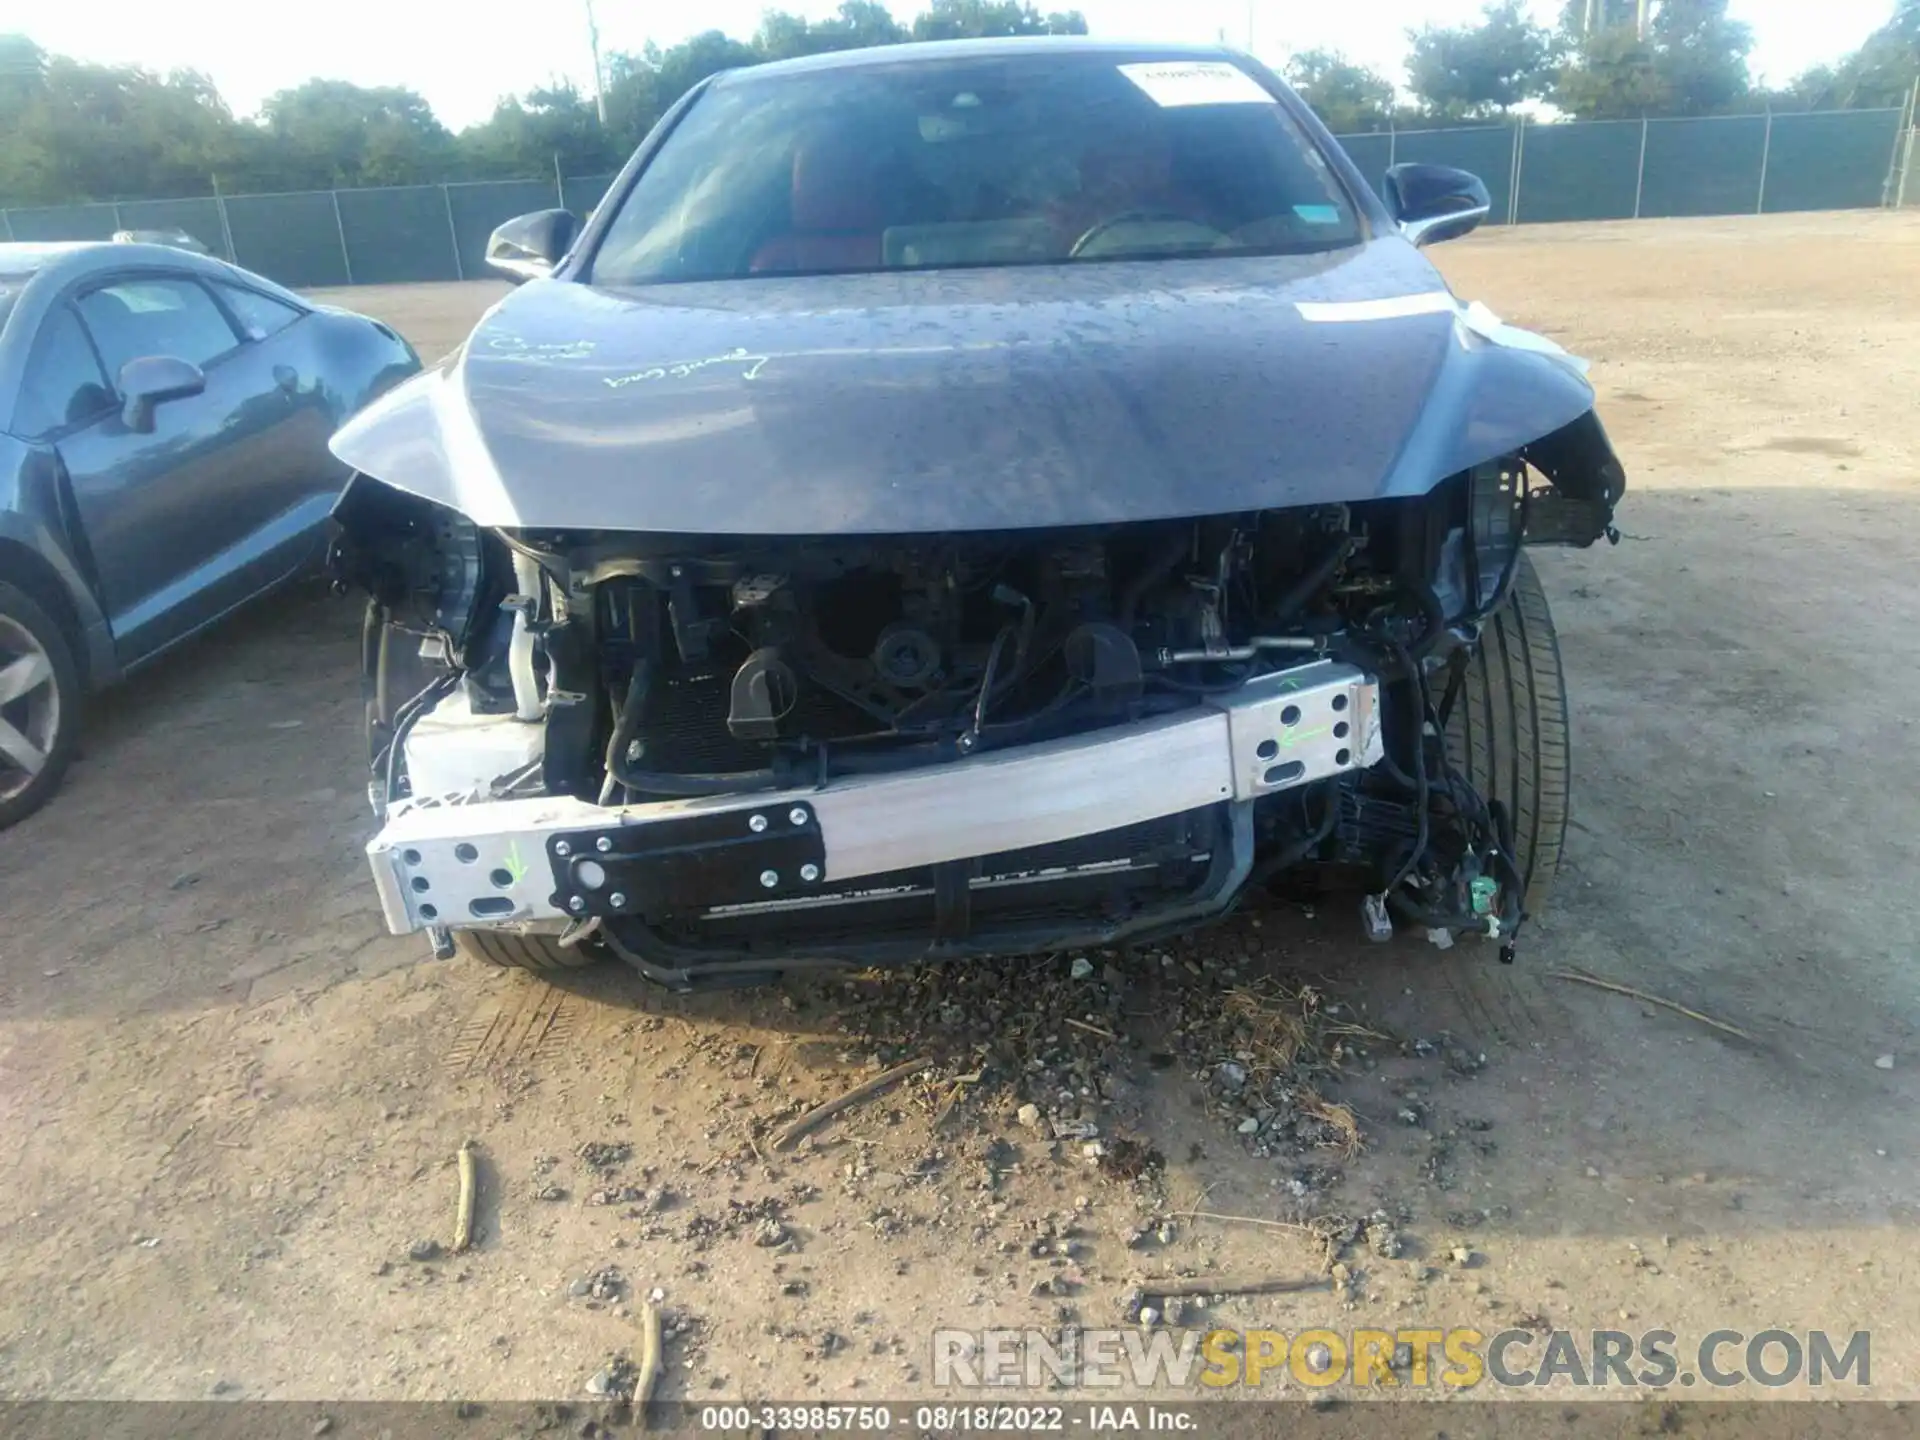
[
  {"x": 599, "y": 85},
  {"x": 226, "y": 228},
  {"x": 1640, "y": 21}
]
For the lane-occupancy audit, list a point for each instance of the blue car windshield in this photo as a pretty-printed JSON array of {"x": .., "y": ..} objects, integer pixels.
[{"x": 1039, "y": 159}]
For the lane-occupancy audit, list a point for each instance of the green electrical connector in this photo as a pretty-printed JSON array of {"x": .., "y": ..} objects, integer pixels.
[{"x": 1483, "y": 892}]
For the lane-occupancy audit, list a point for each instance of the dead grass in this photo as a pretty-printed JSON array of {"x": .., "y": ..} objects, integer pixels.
[
  {"x": 1286, "y": 1027},
  {"x": 1338, "y": 1118},
  {"x": 1284, "y": 1032}
]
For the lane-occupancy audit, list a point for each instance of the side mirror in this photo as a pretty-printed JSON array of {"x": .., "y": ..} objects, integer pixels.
[
  {"x": 529, "y": 246},
  {"x": 1431, "y": 203},
  {"x": 152, "y": 380}
]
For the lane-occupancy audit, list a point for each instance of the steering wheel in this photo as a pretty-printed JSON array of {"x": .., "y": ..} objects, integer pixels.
[{"x": 1130, "y": 217}]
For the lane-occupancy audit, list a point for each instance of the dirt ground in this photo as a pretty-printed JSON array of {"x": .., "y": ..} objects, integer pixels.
[{"x": 230, "y": 1103}]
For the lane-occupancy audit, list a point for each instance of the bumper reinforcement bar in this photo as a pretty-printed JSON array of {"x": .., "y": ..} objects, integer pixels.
[{"x": 513, "y": 861}]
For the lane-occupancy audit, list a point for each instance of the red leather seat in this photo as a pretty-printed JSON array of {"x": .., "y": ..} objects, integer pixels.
[{"x": 836, "y": 213}]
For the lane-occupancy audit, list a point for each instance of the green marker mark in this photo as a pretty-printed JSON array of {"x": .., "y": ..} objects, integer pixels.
[
  {"x": 515, "y": 866},
  {"x": 1291, "y": 738}
]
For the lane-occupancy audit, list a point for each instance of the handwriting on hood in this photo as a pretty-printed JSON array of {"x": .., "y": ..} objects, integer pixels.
[
  {"x": 516, "y": 348},
  {"x": 680, "y": 369}
]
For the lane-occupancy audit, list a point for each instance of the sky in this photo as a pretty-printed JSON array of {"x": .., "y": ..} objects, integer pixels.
[{"x": 462, "y": 61}]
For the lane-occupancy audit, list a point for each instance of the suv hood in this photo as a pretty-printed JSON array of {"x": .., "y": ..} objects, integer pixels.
[{"x": 902, "y": 403}]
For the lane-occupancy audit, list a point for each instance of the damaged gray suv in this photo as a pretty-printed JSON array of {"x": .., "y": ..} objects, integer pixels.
[{"x": 969, "y": 499}]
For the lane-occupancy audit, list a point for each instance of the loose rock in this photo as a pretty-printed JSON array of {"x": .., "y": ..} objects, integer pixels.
[
  {"x": 606, "y": 1283},
  {"x": 604, "y": 1155},
  {"x": 614, "y": 1379},
  {"x": 1382, "y": 1238}
]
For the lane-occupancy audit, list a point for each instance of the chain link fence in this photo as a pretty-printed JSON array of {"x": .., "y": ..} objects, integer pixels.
[
  {"x": 312, "y": 238},
  {"x": 1906, "y": 189},
  {"x": 1642, "y": 169},
  {"x": 1594, "y": 170}
]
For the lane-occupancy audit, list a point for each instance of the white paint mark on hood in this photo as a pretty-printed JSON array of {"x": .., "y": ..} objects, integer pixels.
[
  {"x": 1489, "y": 326},
  {"x": 1393, "y": 307},
  {"x": 1473, "y": 318}
]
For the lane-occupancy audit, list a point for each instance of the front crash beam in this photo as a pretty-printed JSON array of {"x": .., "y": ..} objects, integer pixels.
[{"x": 514, "y": 861}]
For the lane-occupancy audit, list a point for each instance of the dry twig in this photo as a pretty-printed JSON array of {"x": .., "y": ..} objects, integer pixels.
[
  {"x": 1580, "y": 977},
  {"x": 866, "y": 1090},
  {"x": 746, "y": 1130},
  {"x": 954, "y": 1094},
  {"x": 1298, "y": 1229},
  {"x": 649, "y": 1358},
  {"x": 463, "y": 1212},
  {"x": 1171, "y": 1286},
  {"x": 1091, "y": 1029}
]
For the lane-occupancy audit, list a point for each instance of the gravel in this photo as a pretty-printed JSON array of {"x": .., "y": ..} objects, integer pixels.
[
  {"x": 614, "y": 1380},
  {"x": 605, "y": 1155},
  {"x": 605, "y": 1283}
]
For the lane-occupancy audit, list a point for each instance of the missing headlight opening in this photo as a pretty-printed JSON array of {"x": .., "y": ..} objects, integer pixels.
[{"x": 732, "y": 757}]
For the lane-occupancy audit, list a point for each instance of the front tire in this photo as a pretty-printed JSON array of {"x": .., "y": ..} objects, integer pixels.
[
  {"x": 542, "y": 954},
  {"x": 1509, "y": 729},
  {"x": 39, "y": 705}
]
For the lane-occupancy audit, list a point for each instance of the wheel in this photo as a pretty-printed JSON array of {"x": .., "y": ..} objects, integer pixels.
[
  {"x": 1509, "y": 729},
  {"x": 39, "y": 705},
  {"x": 539, "y": 953}
]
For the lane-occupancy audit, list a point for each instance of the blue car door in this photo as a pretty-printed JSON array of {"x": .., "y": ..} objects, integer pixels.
[
  {"x": 171, "y": 517},
  {"x": 284, "y": 512}
]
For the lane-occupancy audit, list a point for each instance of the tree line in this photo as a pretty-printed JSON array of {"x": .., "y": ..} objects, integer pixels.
[
  {"x": 77, "y": 131},
  {"x": 1600, "y": 63}
]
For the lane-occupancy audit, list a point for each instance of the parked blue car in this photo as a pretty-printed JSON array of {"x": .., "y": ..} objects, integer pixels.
[{"x": 164, "y": 419}]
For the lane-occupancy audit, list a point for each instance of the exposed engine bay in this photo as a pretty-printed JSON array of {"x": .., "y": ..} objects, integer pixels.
[{"x": 739, "y": 695}]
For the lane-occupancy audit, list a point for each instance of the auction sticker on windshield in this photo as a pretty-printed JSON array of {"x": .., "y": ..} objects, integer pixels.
[{"x": 1171, "y": 83}]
